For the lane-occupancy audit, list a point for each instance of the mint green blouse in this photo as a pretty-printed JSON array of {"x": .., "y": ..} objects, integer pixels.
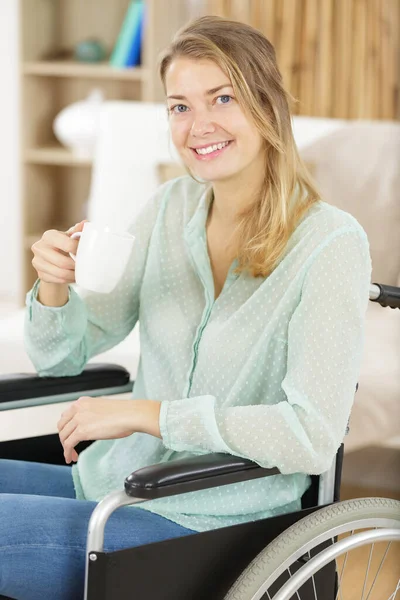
[{"x": 267, "y": 371}]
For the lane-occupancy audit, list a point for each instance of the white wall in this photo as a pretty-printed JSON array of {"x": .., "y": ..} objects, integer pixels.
[{"x": 10, "y": 211}]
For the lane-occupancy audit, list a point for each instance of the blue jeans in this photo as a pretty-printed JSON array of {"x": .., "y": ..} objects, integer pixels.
[{"x": 43, "y": 531}]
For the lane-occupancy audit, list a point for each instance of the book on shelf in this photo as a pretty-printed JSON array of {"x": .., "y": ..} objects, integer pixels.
[{"x": 127, "y": 50}]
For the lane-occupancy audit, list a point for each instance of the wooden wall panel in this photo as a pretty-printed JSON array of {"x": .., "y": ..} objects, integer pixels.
[
  {"x": 338, "y": 58},
  {"x": 343, "y": 35}
]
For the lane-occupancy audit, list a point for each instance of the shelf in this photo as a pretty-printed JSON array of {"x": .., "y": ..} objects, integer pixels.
[
  {"x": 87, "y": 70},
  {"x": 55, "y": 155}
]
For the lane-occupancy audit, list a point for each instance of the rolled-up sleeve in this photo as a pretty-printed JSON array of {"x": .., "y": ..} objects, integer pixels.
[
  {"x": 325, "y": 344},
  {"x": 60, "y": 340}
]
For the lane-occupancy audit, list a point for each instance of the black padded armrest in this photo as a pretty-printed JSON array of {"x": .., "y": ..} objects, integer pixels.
[
  {"x": 21, "y": 386},
  {"x": 192, "y": 474}
]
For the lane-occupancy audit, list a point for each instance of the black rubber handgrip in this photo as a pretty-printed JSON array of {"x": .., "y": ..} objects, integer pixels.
[{"x": 389, "y": 296}]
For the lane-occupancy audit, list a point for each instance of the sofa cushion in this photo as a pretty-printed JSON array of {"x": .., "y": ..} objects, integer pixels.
[
  {"x": 357, "y": 169},
  {"x": 375, "y": 416}
]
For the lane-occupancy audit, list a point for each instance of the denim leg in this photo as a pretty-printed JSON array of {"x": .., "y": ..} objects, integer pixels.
[
  {"x": 24, "y": 477},
  {"x": 43, "y": 538}
]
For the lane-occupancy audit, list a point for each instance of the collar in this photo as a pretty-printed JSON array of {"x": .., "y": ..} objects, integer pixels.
[{"x": 197, "y": 224}]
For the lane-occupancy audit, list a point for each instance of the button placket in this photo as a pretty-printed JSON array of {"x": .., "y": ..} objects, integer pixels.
[{"x": 200, "y": 260}]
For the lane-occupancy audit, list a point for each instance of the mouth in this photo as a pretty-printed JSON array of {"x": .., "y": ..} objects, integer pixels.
[{"x": 212, "y": 151}]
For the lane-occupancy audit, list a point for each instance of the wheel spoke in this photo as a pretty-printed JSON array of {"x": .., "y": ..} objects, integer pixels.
[
  {"x": 366, "y": 574},
  {"x": 393, "y": 596},
  {"x": 379, "y": 569}
]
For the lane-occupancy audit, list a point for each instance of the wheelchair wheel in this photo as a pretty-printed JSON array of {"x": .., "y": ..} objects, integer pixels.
[{"x": 304, "y": 549}]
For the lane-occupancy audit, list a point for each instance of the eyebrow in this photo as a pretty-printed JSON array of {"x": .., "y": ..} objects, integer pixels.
[{"x": 208, "y": 92}]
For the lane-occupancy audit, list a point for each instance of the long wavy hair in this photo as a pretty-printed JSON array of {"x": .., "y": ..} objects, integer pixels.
[{"x": 248, "y": 58}]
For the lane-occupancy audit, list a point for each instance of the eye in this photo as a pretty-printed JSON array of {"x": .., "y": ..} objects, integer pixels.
[
  {"x": 172, "y": 109},
  {"x": 226, "y": 99}
]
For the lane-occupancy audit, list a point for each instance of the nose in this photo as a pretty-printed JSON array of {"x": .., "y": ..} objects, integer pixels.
[{"x": 201, "y": 126}]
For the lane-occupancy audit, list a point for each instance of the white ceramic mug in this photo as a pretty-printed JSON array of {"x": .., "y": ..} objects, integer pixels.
[{"x": 101, "y": 257}]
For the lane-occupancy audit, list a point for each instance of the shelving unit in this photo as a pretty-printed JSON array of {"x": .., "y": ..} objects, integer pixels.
[{"x": 56, "y": 183}]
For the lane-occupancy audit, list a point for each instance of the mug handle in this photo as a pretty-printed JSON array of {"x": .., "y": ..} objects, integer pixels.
[{"x": 75, "y": 236}]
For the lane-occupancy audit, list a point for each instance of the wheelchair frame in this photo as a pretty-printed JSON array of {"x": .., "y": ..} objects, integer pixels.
[{"x": 200, "y": 472}]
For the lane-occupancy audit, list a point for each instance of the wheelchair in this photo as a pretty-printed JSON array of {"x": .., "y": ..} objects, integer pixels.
[{"x": 286, "y": 557}]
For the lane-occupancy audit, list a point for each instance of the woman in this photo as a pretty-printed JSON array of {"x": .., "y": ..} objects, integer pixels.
[{"x": 251, "y": 294}]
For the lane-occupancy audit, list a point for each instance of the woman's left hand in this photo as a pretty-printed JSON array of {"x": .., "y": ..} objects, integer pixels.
[{"x": 104, "y": 419}]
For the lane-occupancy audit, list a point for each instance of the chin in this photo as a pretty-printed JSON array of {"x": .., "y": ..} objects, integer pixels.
[{"x": 213, "y": 177}]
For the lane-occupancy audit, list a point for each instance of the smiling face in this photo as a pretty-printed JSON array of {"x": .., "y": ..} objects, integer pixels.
[{"x": 211, "y": 133}]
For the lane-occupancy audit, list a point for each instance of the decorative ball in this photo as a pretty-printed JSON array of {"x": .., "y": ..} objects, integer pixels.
[{"x": 90, "y": 50}]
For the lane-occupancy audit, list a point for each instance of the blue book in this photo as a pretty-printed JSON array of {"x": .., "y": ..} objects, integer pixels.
[
  {"x": 128, "y": 32},
  {"x": 134, "y": 55}
]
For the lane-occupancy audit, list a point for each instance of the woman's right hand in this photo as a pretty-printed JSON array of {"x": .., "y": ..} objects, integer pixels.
[{"x": 51, "y": 258}]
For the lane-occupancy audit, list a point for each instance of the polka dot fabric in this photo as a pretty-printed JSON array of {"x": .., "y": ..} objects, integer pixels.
[{"x": 268, "y": 371}]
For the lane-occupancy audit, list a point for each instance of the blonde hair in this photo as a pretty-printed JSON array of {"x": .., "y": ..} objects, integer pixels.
[{"x": 247, "y": 57}]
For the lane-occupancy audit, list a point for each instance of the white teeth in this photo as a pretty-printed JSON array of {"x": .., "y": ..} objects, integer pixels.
[{"x": 211, "y": 148}]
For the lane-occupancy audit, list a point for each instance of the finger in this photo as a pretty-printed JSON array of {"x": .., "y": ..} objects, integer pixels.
[
  {"x": 72, "y": 229},
  {"x": 52, "y": 256},
  {"x": 78, "y": 435},
  {"x": 74, "y": 457},
  {"x": 66, "y": 416},
  {"x": 58, "y": 240},
  {"x": 63, "y": 275},
  {"x": 76, "y": 227},
  {"x": 66, "y": 431},
  {"x": 50, "y": 279},
  {"x": 70, "y": 443}
]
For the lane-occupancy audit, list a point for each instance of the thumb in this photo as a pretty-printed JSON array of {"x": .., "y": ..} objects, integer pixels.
[{"x": 76, "y": 227}]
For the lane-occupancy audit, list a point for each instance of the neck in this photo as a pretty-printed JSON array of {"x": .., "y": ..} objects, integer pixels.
[{"x": 231, "y": 197}]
